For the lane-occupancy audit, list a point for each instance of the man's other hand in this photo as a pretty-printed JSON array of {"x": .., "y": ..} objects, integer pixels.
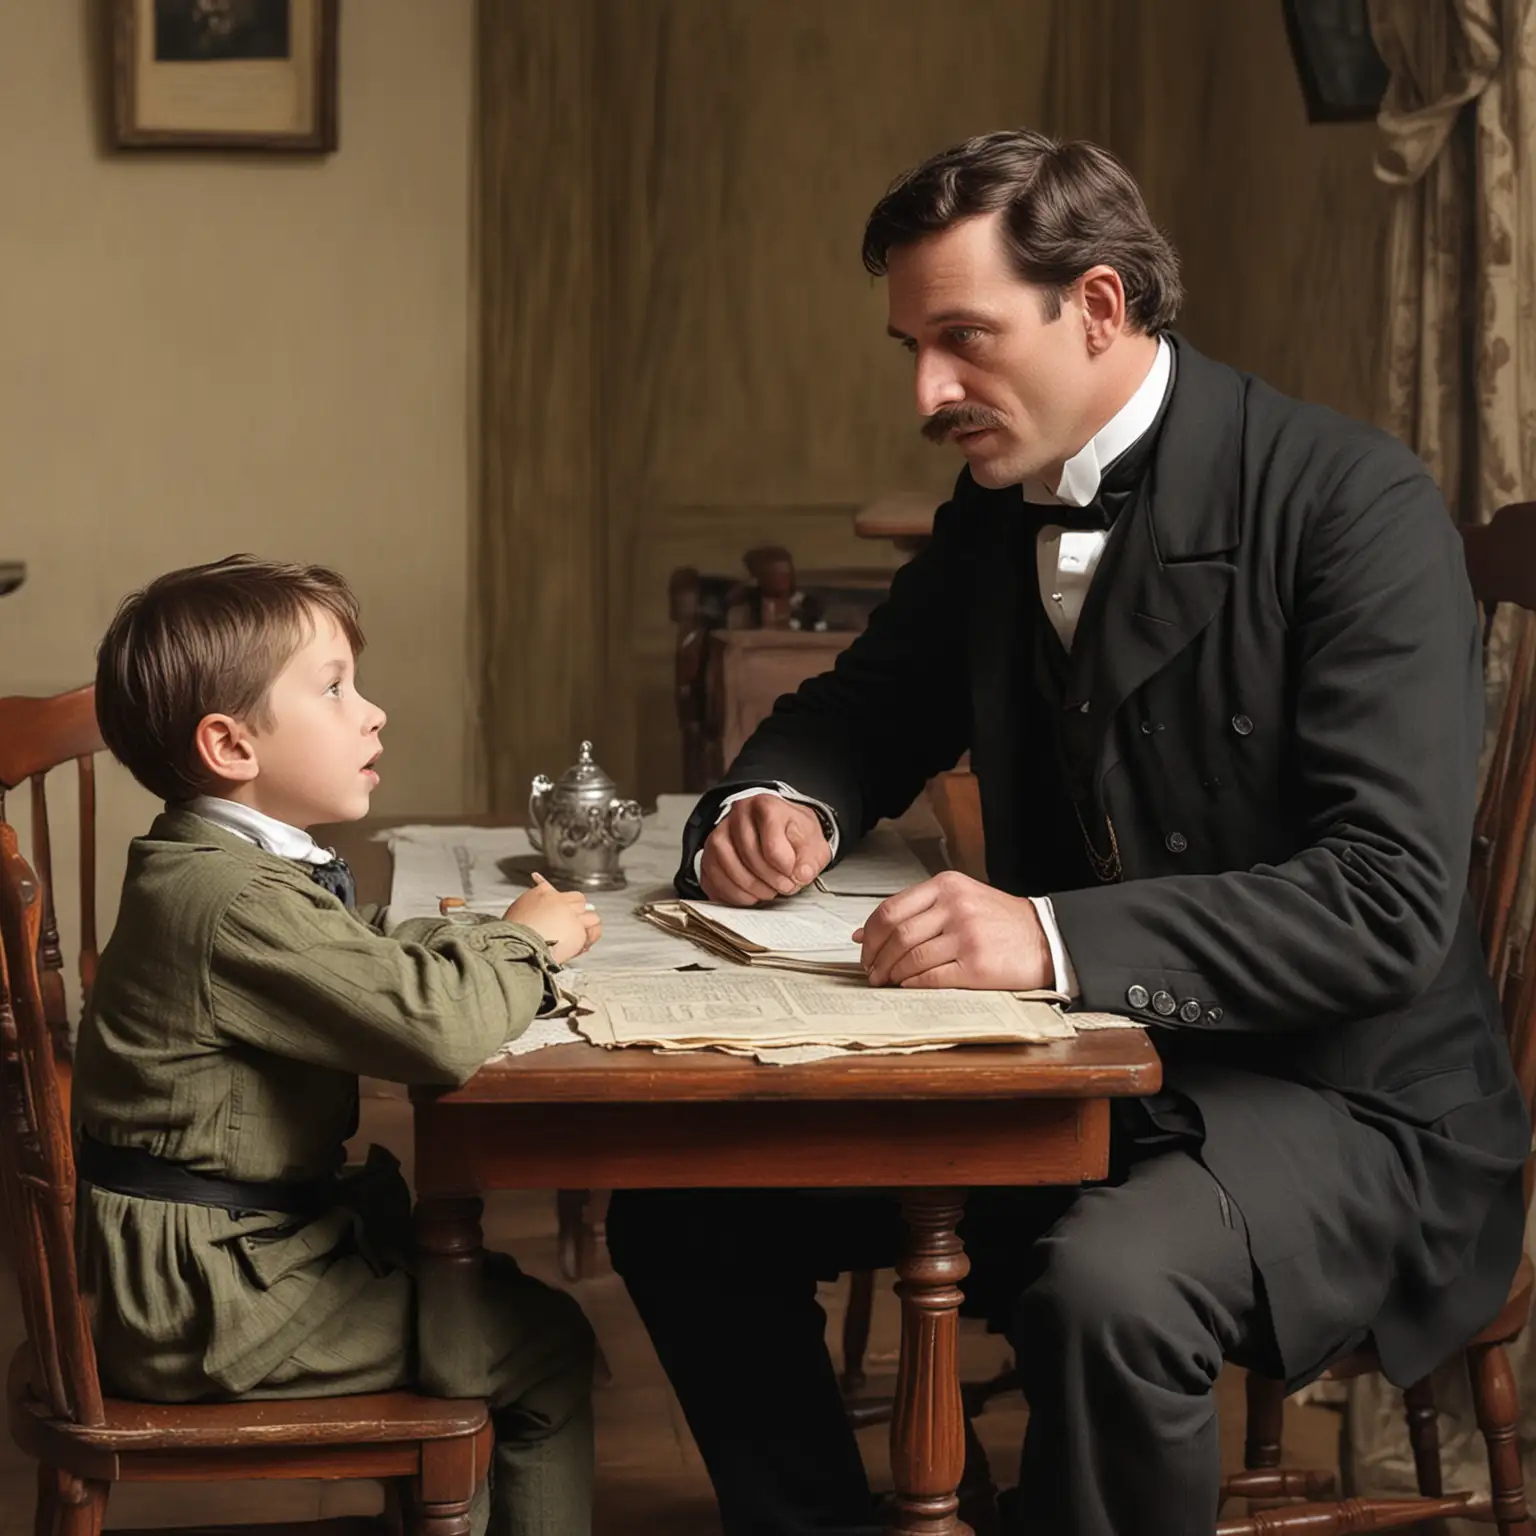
[
  {"x": 952, "y": 931},
  {"x": 767, "y": 846}
]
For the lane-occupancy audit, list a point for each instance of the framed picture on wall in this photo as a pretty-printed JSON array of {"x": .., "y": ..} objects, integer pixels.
[{"x": 224, "y": 74}]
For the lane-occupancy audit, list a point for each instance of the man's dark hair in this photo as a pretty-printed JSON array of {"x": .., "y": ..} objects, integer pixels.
[{"x": 1065, "y": 208}]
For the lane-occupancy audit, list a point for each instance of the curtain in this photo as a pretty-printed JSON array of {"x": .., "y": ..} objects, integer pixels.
[
  {"x": 536, "y": 562},
  {"x": 1459, "y": 386}
]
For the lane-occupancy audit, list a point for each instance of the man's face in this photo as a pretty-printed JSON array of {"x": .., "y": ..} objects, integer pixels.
[
  {"x": 316, "y": 758},
  {"x": 1009, "y": 387}
]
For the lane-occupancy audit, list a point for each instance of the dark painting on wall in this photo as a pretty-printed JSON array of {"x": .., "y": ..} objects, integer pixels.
[{"x": 189, "y": 31}]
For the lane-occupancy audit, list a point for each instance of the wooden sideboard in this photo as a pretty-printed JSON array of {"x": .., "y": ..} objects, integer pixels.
[
  {"x": 744, "y": 640},
  {"x": 749, "y": 668}
]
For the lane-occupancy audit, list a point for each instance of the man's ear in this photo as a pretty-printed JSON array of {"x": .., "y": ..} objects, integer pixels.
[
  {"x": 1103, "y": 303},
  {"x": 226, "y": 748}
]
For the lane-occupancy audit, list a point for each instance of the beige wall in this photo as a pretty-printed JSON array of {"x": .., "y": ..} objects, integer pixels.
[{"x": 205, "y": 353}]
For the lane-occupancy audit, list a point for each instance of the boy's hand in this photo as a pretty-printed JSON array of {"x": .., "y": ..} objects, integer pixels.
[{"x": 565, "y": 919}]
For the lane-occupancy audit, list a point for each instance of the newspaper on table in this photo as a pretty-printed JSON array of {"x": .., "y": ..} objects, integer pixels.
[
  {"x": 488, "y": 868},
  {"x": 746, "y": 1009}
]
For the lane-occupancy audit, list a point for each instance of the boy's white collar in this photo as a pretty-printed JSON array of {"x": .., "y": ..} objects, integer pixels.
[{"x": 257, "y": 827}]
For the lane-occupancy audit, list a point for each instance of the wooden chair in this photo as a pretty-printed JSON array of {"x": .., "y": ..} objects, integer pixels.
[
  {"x": 1501, "y": 560},
  {"x": 436, "y": 1450},
  {"x": 37, "y": 736},
  {"x": 956, "y": 802}
]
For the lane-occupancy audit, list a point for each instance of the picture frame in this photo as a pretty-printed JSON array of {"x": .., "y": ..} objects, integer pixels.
[{"x": 225, "y": 74}]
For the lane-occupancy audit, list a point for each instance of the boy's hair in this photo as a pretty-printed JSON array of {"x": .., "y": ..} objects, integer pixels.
[{"x": 207, "y": 640}]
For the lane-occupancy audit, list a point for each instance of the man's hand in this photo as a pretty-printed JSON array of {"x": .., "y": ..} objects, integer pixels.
[
  {"x": 952, "y": 931},
  {"x": 767, "y": 846}
]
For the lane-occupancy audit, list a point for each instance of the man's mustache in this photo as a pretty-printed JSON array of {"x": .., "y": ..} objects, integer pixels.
[{"x": 958, "y": 418}]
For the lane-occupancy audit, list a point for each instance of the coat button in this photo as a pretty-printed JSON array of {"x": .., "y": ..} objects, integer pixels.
[
  {"x": 1137, "y": 997},
  {"x": 1242, "y": 725},
  {"x": 1214, "y": 1015},
  {"x": 1189, "y": 1011},
  {"x": 1163, "y": 1003},
  {"x": 1176, "y": 842}
]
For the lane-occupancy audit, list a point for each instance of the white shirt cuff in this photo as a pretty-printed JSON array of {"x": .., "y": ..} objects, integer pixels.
[
  {"x": 1061, "y": 962},
  {"x": 784, "y": 792}
]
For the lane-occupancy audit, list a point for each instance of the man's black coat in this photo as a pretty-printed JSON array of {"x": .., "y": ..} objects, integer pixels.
[{"x": 1279, "y": 661}]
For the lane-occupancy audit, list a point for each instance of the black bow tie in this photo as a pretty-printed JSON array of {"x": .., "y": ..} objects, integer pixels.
[
  {"x": 1097, "y": 517},
  {"x": 1094, "y": 518},
  {"x": 335, "y": 877}
]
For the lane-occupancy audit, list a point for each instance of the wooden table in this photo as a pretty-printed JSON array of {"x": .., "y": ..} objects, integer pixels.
[{"x": 931, "y": 1125}]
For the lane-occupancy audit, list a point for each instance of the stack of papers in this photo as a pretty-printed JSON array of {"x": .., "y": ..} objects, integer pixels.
[
  {"x": 749, "y": 1012},
  {"x": 797, "y": 934},
  {"x": 811, "y": 932}
]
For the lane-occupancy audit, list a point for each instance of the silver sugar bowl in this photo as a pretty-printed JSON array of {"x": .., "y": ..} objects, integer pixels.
[{"x": 580, "y": 826}]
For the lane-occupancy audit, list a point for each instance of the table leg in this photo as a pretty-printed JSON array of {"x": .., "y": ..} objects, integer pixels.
[
  {"x": 450, "y": 1259},
  {"x": 928, "y": 1427}
]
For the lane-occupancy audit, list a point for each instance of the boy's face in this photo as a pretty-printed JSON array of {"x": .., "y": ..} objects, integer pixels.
[{"x": 315, "y": 761}]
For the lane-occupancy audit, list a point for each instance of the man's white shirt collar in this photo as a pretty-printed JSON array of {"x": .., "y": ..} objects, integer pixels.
[
  {"x": 1085, "y": 469},
  {"x": 257, "y": 827}
]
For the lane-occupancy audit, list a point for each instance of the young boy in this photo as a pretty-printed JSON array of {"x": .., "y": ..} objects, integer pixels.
[{"x": 237, "y": 1002}]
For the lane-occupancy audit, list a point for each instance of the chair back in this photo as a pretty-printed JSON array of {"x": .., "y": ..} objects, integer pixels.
[
  {"x": 1501, "y": 561},
  {"x": 37, "y": 736},
  {"x": 955, "y": 797},
  {"x": 37, "y": 1165}
]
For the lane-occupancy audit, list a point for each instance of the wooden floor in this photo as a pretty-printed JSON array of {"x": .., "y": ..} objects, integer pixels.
[{"x": 650, "y": 1478}]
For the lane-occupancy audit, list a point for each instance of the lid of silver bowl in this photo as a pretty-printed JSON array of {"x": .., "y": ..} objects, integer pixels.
[{"x": 584, "y": 777}]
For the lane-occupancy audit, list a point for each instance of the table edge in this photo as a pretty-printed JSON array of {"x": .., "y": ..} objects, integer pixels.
[{"x": 897, "y": 1079}]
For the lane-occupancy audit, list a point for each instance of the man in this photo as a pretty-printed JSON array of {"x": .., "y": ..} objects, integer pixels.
[{"x": 1215, "y": 658}]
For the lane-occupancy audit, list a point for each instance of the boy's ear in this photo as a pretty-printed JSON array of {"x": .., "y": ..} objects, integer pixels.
[{"x": 226, "y": 748}]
